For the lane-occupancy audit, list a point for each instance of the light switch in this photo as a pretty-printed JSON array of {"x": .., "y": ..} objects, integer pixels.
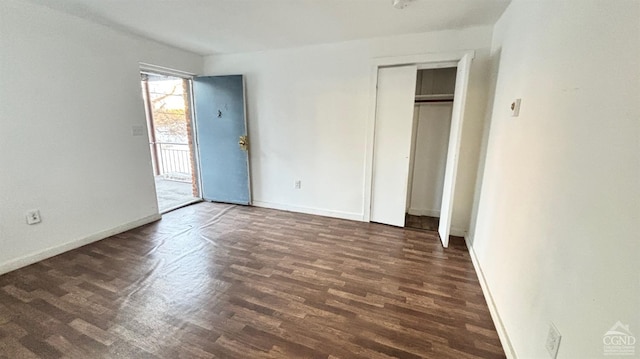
[{"x": 515, "y": 107}]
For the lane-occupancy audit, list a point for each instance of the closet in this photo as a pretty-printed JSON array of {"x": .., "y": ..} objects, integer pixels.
[
  {"x": 415, "y": 143},
  {"x": 429, "y": 145}
]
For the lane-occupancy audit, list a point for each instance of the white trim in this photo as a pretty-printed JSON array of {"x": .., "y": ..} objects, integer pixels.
[
  {"x": 194, "y": 136},
  {"x": 309, "y": 210},
  {"x": 246, "y": 133},
  {"x": 437, "y": 65},
  {"x": 493, "y": 310},
  {"x": 423, "y": 61},
  {"x": 424, "y": 212},
  {"x": 65, "y": 247},
  {"x": 161, "y": 70}
]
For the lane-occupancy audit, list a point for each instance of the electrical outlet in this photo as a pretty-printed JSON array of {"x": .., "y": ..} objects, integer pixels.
[
  {"x": 33, "y": 217},
  {"x": 297, "y": 184},
  {"x": 553, "y": 341}
]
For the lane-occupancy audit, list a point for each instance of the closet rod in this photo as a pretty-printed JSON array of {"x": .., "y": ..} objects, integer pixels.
[{"x": 425, "y": 101}]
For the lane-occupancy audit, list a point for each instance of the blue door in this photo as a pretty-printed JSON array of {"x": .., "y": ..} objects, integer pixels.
[{"x": 221, "y": 133}]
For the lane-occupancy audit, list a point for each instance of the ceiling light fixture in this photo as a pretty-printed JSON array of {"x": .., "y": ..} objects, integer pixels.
[{"x": 400, "y": 4}]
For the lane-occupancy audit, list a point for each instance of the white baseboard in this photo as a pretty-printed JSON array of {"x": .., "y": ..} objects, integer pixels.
[
  {"x": 495, "y": 316},
  {"x": 334, "y": 214},
  {"x": 424, "y": 212},
  {"x": 309, "y": 210},
  {"x": 54, "y": 251}
]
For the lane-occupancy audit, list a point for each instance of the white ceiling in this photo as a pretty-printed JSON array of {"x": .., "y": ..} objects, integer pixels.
[{"x": 227, "y": 26}]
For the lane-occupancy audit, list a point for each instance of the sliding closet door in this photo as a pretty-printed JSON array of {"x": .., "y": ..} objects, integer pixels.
[
  {"x": 459, "y": 100},
  {"x": 392, "y": 143}
]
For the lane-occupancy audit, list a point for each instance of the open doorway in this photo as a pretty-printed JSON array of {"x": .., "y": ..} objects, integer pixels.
[
  {"x": 389, "y": 154},
  {"x": 429, "y": 144},
  {"x": 167, "y": 101}
]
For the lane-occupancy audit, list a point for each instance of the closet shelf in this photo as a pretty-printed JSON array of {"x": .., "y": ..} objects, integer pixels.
[{"x": 435, "y": 97}]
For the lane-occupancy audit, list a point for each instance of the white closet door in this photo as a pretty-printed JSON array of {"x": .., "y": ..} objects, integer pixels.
[
  {"x": 459, "y": 99},
  {"x": 392, "y": 143}
]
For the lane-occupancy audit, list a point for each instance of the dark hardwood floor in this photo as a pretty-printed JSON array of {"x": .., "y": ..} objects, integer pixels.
[{"x": 223, "y": 281}]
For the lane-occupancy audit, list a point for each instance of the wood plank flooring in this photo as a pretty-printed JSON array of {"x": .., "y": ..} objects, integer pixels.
[{"x": 223, "y": 281}]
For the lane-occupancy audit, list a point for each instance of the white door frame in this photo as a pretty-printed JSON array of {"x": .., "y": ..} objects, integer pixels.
[
  {"x": 423, "y": 61},
  {"x": 161, "y": 70}
]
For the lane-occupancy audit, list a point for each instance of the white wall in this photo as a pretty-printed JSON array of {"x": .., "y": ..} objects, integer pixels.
[
  {"x": 308, "y": 110},
  {"x": 432, "y": 140},
  {"x": 557, "y": 230},
  {"x": 69, "y": 96}
]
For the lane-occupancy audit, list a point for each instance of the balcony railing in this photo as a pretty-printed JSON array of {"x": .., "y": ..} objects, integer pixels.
[{"x": 173, "y": 161}]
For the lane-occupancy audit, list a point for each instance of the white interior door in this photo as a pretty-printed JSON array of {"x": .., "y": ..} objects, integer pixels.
[
  {"x": 392, "y": 143},
  {"x": 459, "y": 99}
]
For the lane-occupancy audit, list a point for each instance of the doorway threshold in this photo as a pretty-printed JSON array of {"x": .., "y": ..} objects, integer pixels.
[{"x": 195, "y": 200}]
